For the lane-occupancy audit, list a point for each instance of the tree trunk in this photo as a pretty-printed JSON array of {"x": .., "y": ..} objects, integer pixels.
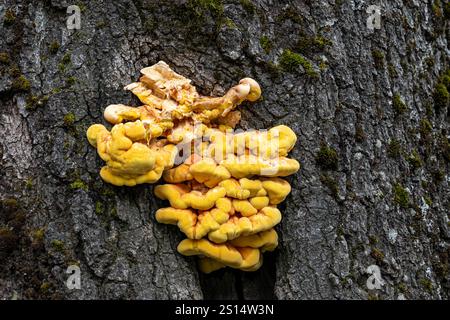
[{"x": 372, "y": 127}]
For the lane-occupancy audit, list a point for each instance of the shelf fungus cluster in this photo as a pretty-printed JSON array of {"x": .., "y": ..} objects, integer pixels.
[{"x": 223, "y": 185}]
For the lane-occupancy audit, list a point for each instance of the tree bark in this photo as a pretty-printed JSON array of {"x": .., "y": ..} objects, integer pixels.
[{"x": 383, "y": 199}]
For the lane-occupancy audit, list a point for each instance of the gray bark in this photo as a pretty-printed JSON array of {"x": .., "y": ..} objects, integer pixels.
[{"x": 338, "y": 220}]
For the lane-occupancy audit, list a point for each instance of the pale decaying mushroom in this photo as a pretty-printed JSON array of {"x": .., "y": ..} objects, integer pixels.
[
  {"x": 163, "y": 89},
  {"x": 223, "y": 187}
]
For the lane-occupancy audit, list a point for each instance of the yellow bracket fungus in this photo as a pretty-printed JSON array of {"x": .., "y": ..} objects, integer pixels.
[
  {"x": 129, "y": 159},
  {"x": 223, "y": 186},
  {"x": 181, "y": 196}
]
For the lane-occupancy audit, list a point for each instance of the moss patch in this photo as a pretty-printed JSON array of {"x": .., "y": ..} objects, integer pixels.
[
  {"x": 248, "y": 6},
  {"x": 266, "y": 44},
  {"x": 29, "y": 258},
  {"x": 56, "y": 90},
  {"x": 4, "y": 57},
  {"x": 289, "y": 13},
  {"x": 38, "y": 234},
  {"x": 445, "y": 80},
  {"x": 54, "y": 47},
  {"x": 429, "y": 61},
  {"x": 327, "y": 158},
  {"x": 309, "y": 44},
  {"x": 198, "y": 7},
  {"x": 114, "y": 213},
  {"x": 323, "y": 65},
  {"x": 392, "y": 71},
  {"x": 290, "y": 61},
  {"x": 378, "y": 59},
  {"x": 9, "y": 203},
  {"x": 70, "y": 81},
  {"x": 440, "y": 96},
  {"x": 398, "y": 105},
  {"x": 65, "y": 61},
  {"x": 372, "y": 297},
  {"x": 29, "y": 183},
  {"x": 441, "y": 264},
  {"x": 33, "y": 102},
  {"x": 99, "y": 207},
  {"x": 79, "y": 184},
  {"x": 401, "y": 196},
  {"x": 401, "y": 287},
  {"x": 45, "y": 287},
  {"x": 377, "y": 254},
  {"x": 444, "y": 146},
  {"x": 373, "y": 240},
  {"x": 149, "y": 25},
  {"x": 426, "y": 284},
  {"x": 394, "y": 148},
  {"x": 425, "y": 127},
  {"x": 436, "y": 9},
  {"x": 21, "y": 83},
  {"x": 414, "y": 160},
  {"x": 69, "y": 119},
  {"x": 9, "y": 18},
  {"x": 58, "y": 245},
  {"x": 107, "y": 191},
  {"x": 428, "y": 200},
  {"x": 229, "y": 23}
]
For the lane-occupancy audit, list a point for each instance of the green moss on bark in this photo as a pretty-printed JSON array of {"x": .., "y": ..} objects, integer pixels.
[
  {"x": 33, "y": 102},
  {"x": 309, "y": 44},
  {"x": 398, "y": 105},
  {"x": 69, "y": 119},
  {"x": 378, "y": 255},
  {"x": 378, "y": 59},
  {"x": 58, "y": 245},
  {"x": 248, "y": 6},
  {"x": 54, "y": 47},
  {"x": 200, "y": 6},
  {"x": 21, "y": 83},
  {"x": 440, "y": 96},
  {"x": 79, "y": 184},
  {"x": 9, "y": 18},
  {"x": 290, "y": 61},
  {"x": 414, "y": 160},
  {"x": 426, "y": 284},
  {"x": 327, "y": 158},
  {"x": 99, "y": 208},
  {"x": 266, "y": 44},
  {"x": 394, "y": 149},
  {"x": 401, "y": 196},
  {"x": 425, "y": 127},
  {"x": 4, "y": 57}
]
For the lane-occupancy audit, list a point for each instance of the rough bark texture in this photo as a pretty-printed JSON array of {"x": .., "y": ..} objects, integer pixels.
[{"x": 382, "y": 199}]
